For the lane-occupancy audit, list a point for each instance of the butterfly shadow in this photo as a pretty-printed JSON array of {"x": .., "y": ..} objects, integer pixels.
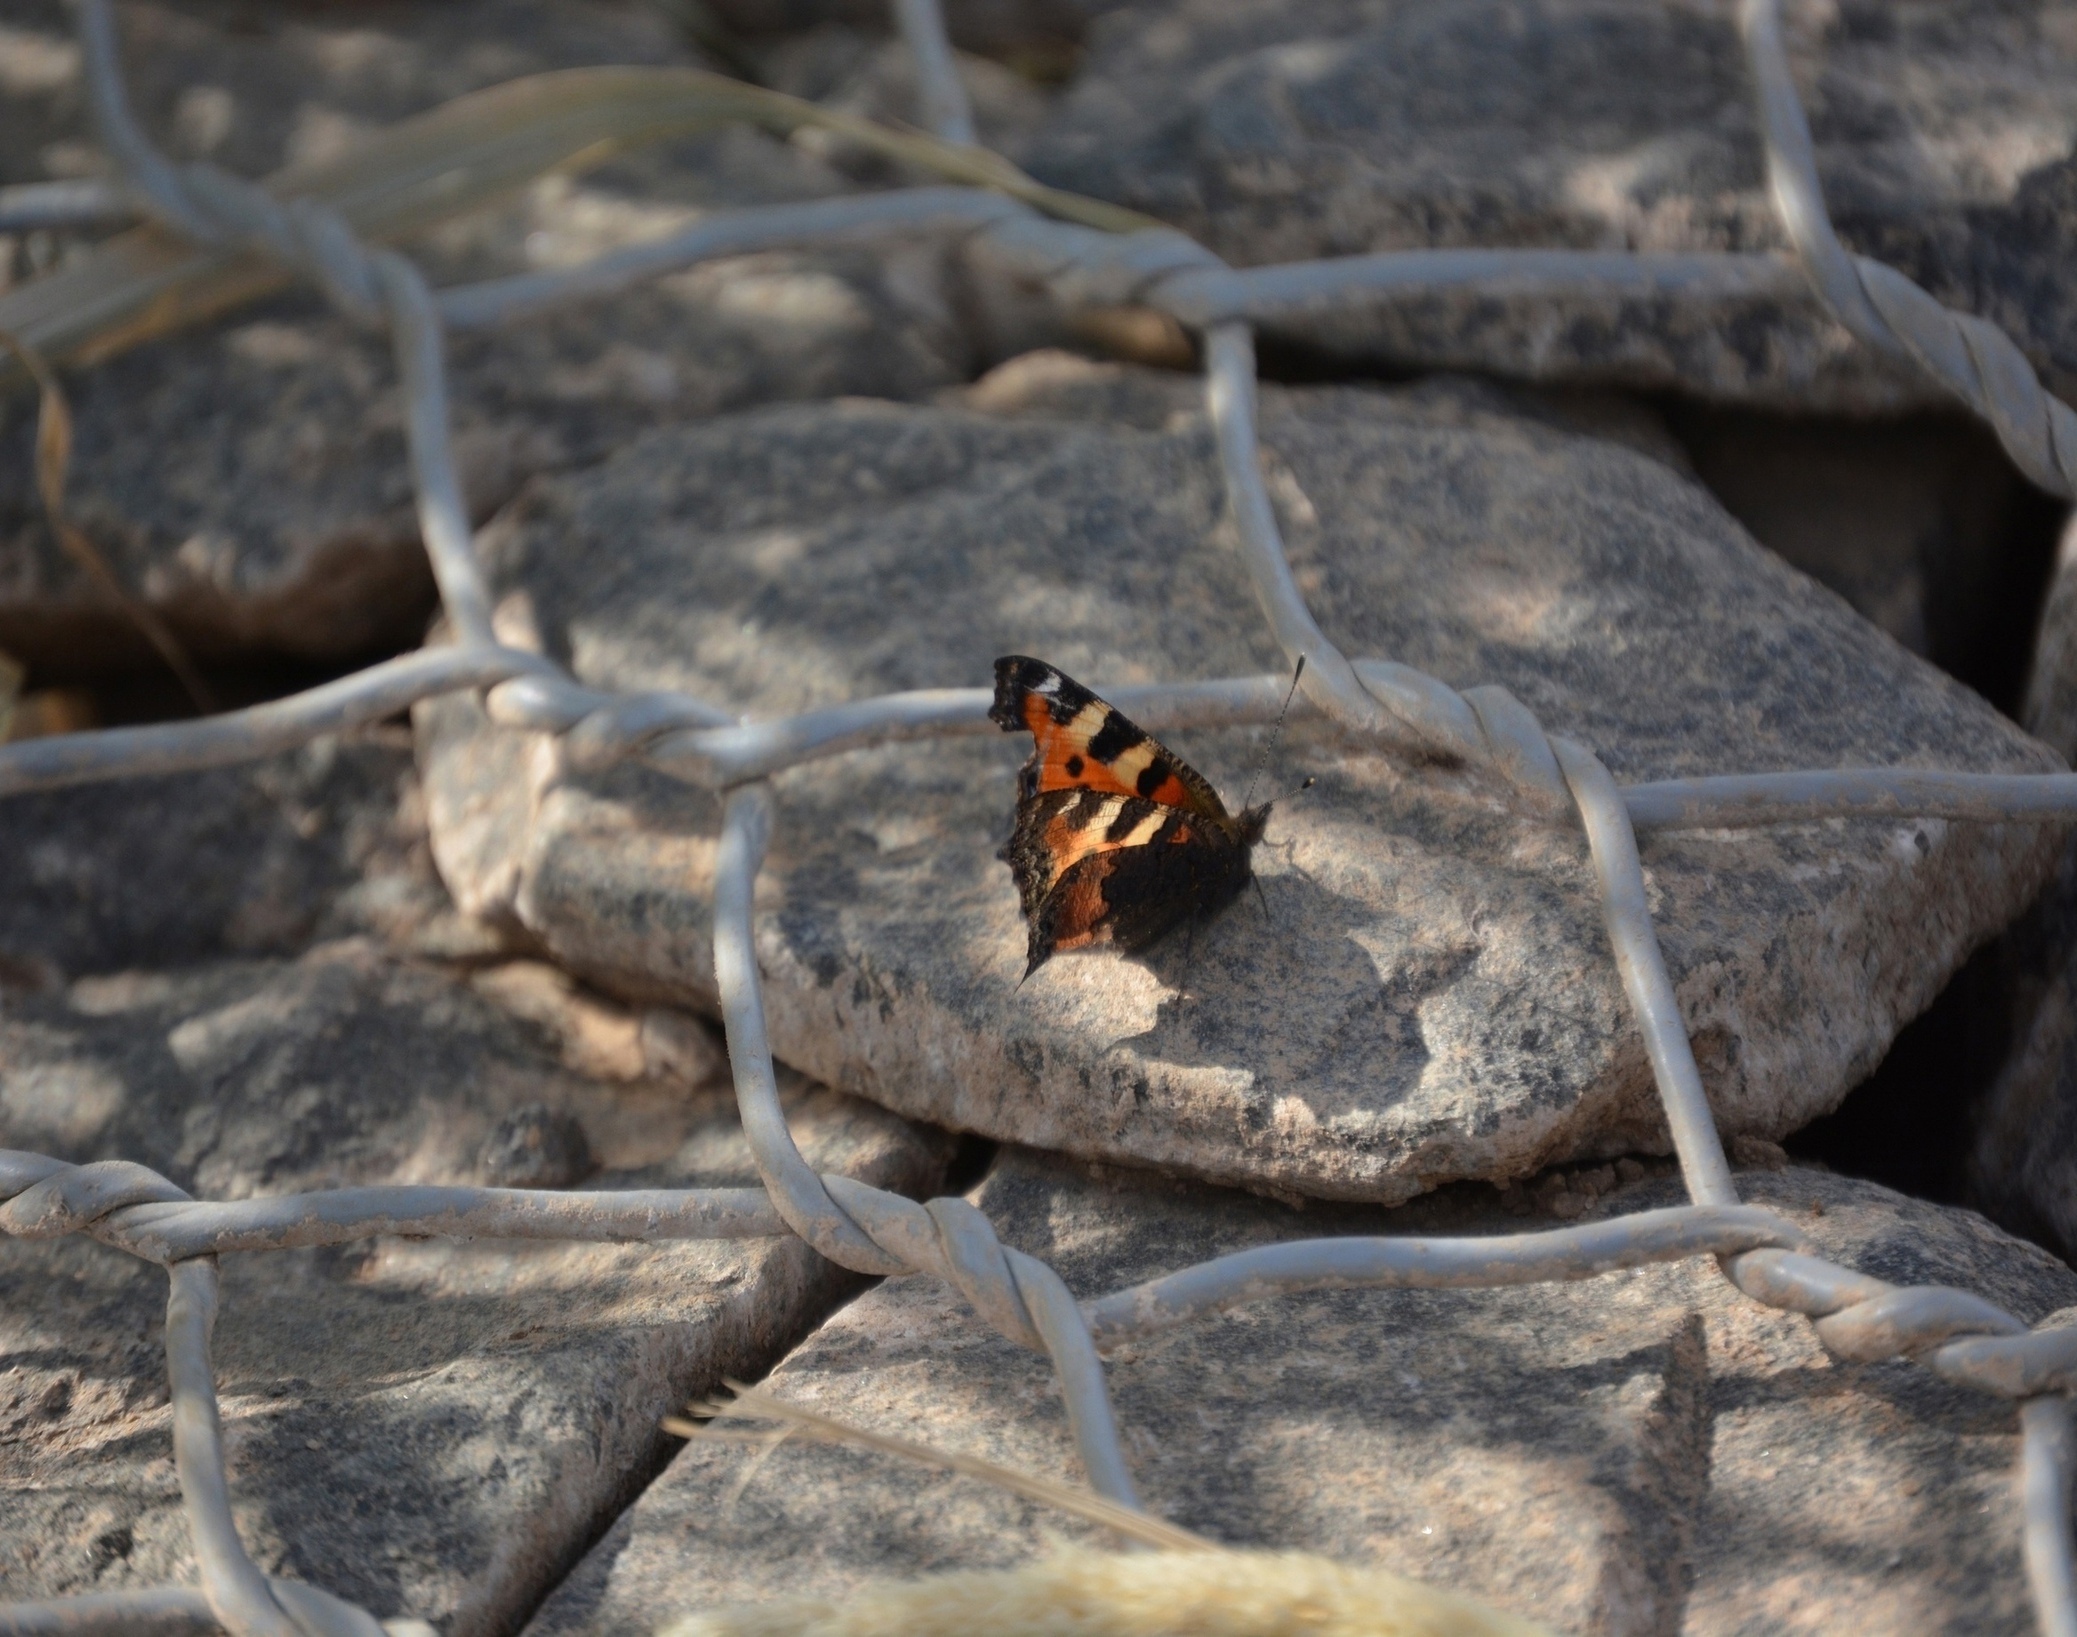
[{"x": 1306, "y": 992}]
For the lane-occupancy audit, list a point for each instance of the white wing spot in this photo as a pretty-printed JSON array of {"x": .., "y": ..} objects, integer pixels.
[
  {"x": 1133, "y": 762},
  {"x": 1143, "y": 832}
]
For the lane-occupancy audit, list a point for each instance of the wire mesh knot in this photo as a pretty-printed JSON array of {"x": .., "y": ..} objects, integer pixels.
[
  {"x": 46, "y": 1199},
  {"x": 952, "y": 1240}
]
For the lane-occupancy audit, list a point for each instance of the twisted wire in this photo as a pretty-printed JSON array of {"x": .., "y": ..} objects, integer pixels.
[{"x": 1970, "y": 356}]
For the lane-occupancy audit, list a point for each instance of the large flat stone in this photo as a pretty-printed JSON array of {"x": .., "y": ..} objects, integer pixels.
[
  {"x": 1280, "y": 132},
  {"x": 1431, "y": 994},
  {"x": 432, "y": 1429},
  {"x": 250, "y": 480},
  {"x": 1646, "y": 1453}
]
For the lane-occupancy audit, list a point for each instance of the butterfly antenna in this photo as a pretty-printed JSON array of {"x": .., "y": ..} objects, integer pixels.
[{"x": 1275, "y": 734}]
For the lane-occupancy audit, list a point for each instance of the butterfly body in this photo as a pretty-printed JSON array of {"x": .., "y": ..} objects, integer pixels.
[{"x": 1117, "y": 840}]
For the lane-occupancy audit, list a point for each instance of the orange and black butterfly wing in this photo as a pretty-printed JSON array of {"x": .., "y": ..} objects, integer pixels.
[
  {"x": 1080, "y": 743},
  {"x": 1117, "y": 839},
  {"x": 1093, "y": 867}
]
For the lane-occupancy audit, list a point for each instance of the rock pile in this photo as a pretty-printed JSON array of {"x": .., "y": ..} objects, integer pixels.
[{"x": 440, "y": 952}]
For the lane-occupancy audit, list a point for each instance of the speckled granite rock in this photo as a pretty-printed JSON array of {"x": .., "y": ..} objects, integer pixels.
[
  {"x": 1281, "y": 132},
  {"x": 431, "y": 1429},
  {"x": 1647, "y": 1453},
  {"x": 262, "y": 859},
  {"x": 251, "y": 481},
  {"x": 1431, "y": 995}
]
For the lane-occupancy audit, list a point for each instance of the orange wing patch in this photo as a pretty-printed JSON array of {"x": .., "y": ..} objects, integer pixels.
[
  {"x": 1063, "y": 759},
  {"x": 1081, "y": 743}
]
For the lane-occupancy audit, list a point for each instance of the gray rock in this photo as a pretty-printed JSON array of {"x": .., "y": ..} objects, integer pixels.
[
  {"x": 1430, "y": 995},
  {"x": 267, "y": 858},
  {"x": 432, "y": 1429},
  {"x": 1279, "y": 132},
  {"x": 250, "y": 480},
  {"x": 536, "y": 1147},
  {"x": 1646, "y": 1453}
]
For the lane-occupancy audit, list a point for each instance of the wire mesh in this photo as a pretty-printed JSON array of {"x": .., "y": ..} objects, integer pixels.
[{"x": 1957, "y": 1335}]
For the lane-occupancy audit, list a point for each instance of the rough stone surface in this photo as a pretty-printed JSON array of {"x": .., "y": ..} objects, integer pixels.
[
  {"x": 262, "y": 859},
  {"x": 1281, "y": 132},
  {"x": 1647, "y": 1453},
  {"x": 1430, "y": 995},
  {"x": 431, "y": 1429},
  {"x": 250, "y": 480}
]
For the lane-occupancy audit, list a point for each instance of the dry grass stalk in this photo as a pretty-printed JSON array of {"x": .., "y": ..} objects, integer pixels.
[
  {"x": 53, "y": 459},
  {"x": 454, "y": 159},
  {"x": 1186, "y": 1587},
  {"x": 1082, "y": 1503}
]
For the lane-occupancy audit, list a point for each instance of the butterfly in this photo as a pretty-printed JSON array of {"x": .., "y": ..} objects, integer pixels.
[{"x": 1117, "y": 839}]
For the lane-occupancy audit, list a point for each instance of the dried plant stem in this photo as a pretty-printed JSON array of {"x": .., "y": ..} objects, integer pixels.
[
  {"x": 1082, "y": 1503},
  {"x": 53, "y": 458}
]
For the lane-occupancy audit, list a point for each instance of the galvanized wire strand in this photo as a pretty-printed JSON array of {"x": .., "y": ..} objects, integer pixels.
[
  {"x": 882, "y": 1232},
  {"x": 940, "y": 92},
  {"x": 1970, "y": 356},
  {"x": 238, "y": 1593},
  {"x": 1484, "y": 1263},
  {"x": 146, "y": 173},
  {"x": 261, "y": 730},
  {"x": 2047, "y": 1459},
  {"x": 134, "y": 1209},
  {"x": 168, "y": 1611},
  {"x": 443, "y": 515},
  {"x": 1956, "y": 1334},
  {"x": 1328, "y": 680},
  {"x": 795, "y": 1188},
  {"x": 26, "y": 206},
  {"x": 705, "y": 744},
  {"x": 1742, "y": 800},
  {"x": 1643, "y": 970},
  {"x": 1203, "y": 297},
  {"x": 846, "y": 218},
  {"x": 2010, "y": 1366}
]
